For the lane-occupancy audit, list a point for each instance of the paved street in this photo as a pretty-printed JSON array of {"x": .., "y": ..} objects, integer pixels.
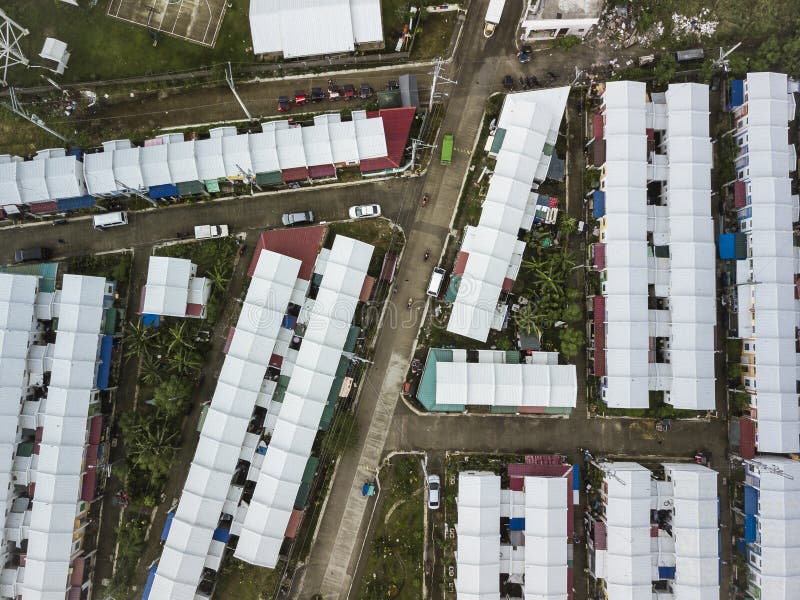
[{"x": 385, "y": 422}]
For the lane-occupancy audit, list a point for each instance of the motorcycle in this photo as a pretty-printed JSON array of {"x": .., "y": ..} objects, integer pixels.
[
  {"x": 409, "y": 303},
  {"x": 427, "y": 254},
  {"x": 425, "y": 198}
]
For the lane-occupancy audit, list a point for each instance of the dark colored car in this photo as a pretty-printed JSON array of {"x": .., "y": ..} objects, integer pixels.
[
  {"x": 297, "y": 218},
  {"x": 392, "y": 85},
  {"x": 348, "y": 91},
  {"x": 317, "y": 94},
  {"x": 283, "y": 104},
  {"x": 525, "y": 54},
  {"x": 508, "y": 82},
  {"x": 365, "y": 91},
  {"x": 29, "y": 254},
  {"x": 300, "y": 98}
]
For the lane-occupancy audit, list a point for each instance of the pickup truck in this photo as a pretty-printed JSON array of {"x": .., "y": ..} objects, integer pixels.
[{"x": 205, "y": 232}]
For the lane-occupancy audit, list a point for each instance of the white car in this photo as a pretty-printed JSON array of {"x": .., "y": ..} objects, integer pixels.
[
  {"x": 434, "y": 488},
  {"x": 365, "y": 211}
]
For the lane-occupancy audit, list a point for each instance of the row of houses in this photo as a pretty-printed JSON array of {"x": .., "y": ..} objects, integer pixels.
[
  {"x": 55, "y": 351},
  {"x": 283, "y": 372},
  {"x": 175, "y": 164}
]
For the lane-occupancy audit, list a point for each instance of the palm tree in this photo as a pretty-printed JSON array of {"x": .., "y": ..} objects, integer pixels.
[
  {"x": 150, "y": 370},
  {"x": 139, "y": 339},
  {"x": 185, "y": 361},
  {"x": 219, "y": 277},
  {"x": 178, "y": 337}
]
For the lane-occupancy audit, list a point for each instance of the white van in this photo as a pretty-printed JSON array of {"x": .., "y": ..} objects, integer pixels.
[
  {"x": 437, "y": 279},
  {"x": 112, "y": 219}
]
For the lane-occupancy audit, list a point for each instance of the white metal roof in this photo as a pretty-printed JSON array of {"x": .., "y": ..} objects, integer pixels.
[
  {"x": 9, "y": 187},
  {"x": 498, "y": 384},
  {"x": 779, "y": 516},
  {"x": 530, "y": 120},
  {"x": 370, "y": 137},
  {"x": 296, "y": 427},
  {"x": 167, "y": 289},
  {"x": 692, "y": 251},
  {"x": 264, "y": 152},
  {"x": 63, "y": 441},
  {"x": 298, "y": 28},
  {"x": 155, "y": 165},
  {"x": 478, "y": 536},
  {"x": 627, "y": 341},
  {"x": 98, "y": 169},
  {"x": 181, "y": 161},
  {"x": 545, "y": 538},
  {"x": 226, "y": 423},
  {"x": 291, "y": 153},
  {"x": 769, "y": 107},
  {"x": 64, "y": 177},
  {"x": 128, "y": 169},
  {"x": 236, "y": 155}
]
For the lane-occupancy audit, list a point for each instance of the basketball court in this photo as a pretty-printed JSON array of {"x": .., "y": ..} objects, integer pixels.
[{"x": 195, "y": 21}]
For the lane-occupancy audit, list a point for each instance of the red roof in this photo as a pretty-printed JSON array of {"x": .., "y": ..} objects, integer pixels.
[
  {"x": 740, "y": 194},
  {"x": 92, "y": 450},
  {"x": 388, "y": 268},
  {"x": 530, "y": 410},
  {"x": 599, "y": 336},
  {"x": 597, "y": 126},
  {"x": 322, "y": 171},
  {"x": 276, "y": 360},
  {"x": 43, "y": 207},
  {"x": 508, "y": 284},
  {"x": 747, "y": 431},
  {"x": 600, "y": 541},
  {"x": 95, "y": 429},
  {"x": 2, "y": 214},
  {"x": 461, "y": 263},
  {"x": 302, "y": 243},
  {"x": 396, "y": 127},
  {"x": 228, "y": 340},
  {"x": 89, "y": 485},
  {"x": 78, "y": 568},
  {"x": 74, "y": 593},
  {"x": 294, "y": 523},
  {"x": 296, "y": 174},
  {"x": 599, "y": 251},
  {"x": 194, "y": 310},
  {"x": 366, "y": 289}
]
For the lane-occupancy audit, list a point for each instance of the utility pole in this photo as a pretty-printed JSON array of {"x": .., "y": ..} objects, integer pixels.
[
  {"x": 18, "y": 110},
  {"x": 438, "y": 67},
  {"x": 229, "y": 79},
  {"x": 723, "y": 61},
  {"x": 10, "y": 53},
  {"x": 415, "y": 143},
  {"x": 134, "y": 192}
]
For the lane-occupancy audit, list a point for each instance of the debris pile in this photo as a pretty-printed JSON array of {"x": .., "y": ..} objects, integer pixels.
[{"x": 700, "y": 25}]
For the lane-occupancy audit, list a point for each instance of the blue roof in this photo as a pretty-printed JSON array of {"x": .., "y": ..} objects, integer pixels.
[
  {"x": 599, "y": 204},
  {"x": 150, "y": 320},
  {"x": 727, "y": 245},
  {"x": 737, "y": 92},
  {"x": 75, "y": 203},
  {"x": 167, "y": 525},
  {"x": 148, "y": 585},
  {"x": 104, "y": 370},
  {"x": 221, "y": 534},
  {"x": 517, "y": 524},
  {"x": 666, "y": 572},
  {"x": 750, "y": 500},
  {"x": 162, "y": 191},
  {"x": 750, "y": 529},
  {"x": 576, "y": 478},
  {"x": 288, "y": 322}
]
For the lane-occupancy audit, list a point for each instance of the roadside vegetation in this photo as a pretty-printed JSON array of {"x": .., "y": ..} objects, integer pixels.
[{"x": 394, "y": 566}]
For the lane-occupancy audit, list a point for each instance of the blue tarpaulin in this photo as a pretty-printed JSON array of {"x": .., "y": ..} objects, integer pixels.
[
  {"x": 104, "y": 370},
  {"x": 148, "y": 585},
  {"x": 737, "y": 92},
  {"x": 750, "y": 529},
  {"x": 221, "y": 534},
  {"x": 666, "y": 572},
  {"x": 517, "y": 524},
  {"x": 576, "y": 478},
  {"x": 167, "y": 525},
  {"x": 75, "y": 203},
  {"x": 162, "y": 191},
  {"x": 740, "y": 547},
  {"x": 288, "y": 322},
  {"x": 599, "y": 204},
  {"x": 727, "y": 246},
  {"x": 150, "y": 320},
  {"x": 750, "y": 500}
]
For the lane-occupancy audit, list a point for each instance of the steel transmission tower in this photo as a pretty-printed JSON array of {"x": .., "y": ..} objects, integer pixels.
[{"x": 10, "y": 52}]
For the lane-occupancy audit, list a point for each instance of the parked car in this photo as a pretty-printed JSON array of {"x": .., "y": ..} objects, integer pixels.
[
  {"x": 333, "y": 92},
  {"x": 29, "y": 254},
  {"x": 283, "y": 104},
  {"x": 348, "y": 91},
  {"x": 508, "y": 82},
  {"x": 525, "y": 54},
  {"x": 365, "y": 91},
  {"x": 365, "y": 211},
  {"x": 297, "y": 218},
  {"x": 393, "y": 85},
  {"x": 317, "y": 95},
  {"x": 434, "y": 492},
  {"x": 300, "y": 98},
  {"x": 207, "y": 232},
  {"x": 59, "y": 222}
]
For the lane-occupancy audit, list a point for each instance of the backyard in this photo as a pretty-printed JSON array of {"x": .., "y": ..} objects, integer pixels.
[{"x": 394, "y": 560}]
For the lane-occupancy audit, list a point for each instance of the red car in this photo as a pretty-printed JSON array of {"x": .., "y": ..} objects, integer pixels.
[
  {"x": 300, "y": 98},
  {"x": 283, "y": 104},
  {"x": 349, "y": 91}
]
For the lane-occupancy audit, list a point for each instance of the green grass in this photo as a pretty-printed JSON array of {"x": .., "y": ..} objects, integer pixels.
[
  {"x": 103, "y": 47},
  {"x": 377, "y": 232},
  {"x": 241, "y": 581},
  {"x": 433, "y": 35},
  {"x": 115, "y": 267},
  {"x": 394, "y": 563}
]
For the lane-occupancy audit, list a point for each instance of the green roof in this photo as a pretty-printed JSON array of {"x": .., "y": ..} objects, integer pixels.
[
  {"x": 503, "y": 410},
  {"x": 203, "y": 413},
  {"x": 390, "y": 99},
  {"x": 426, "y": 392},
  {"x": 452, "y": 289},
  {"x": 352, "y": 338},
  {"x": 333, "y": 394},
  {"x": 46, "y": 272},
  {"x": 310, "y": 470},
  {"x": 270, "y": 178},
  {"x": 190, "y": 188},
  {"x": 497, "y": 142},
  {"x": 280, "y": 389},
  {"x": 302, "y": 496},
  {"x": 212, "y": 185},
  {"x": 111, "y": 320},
  {"x": 25, "y": 449}
]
